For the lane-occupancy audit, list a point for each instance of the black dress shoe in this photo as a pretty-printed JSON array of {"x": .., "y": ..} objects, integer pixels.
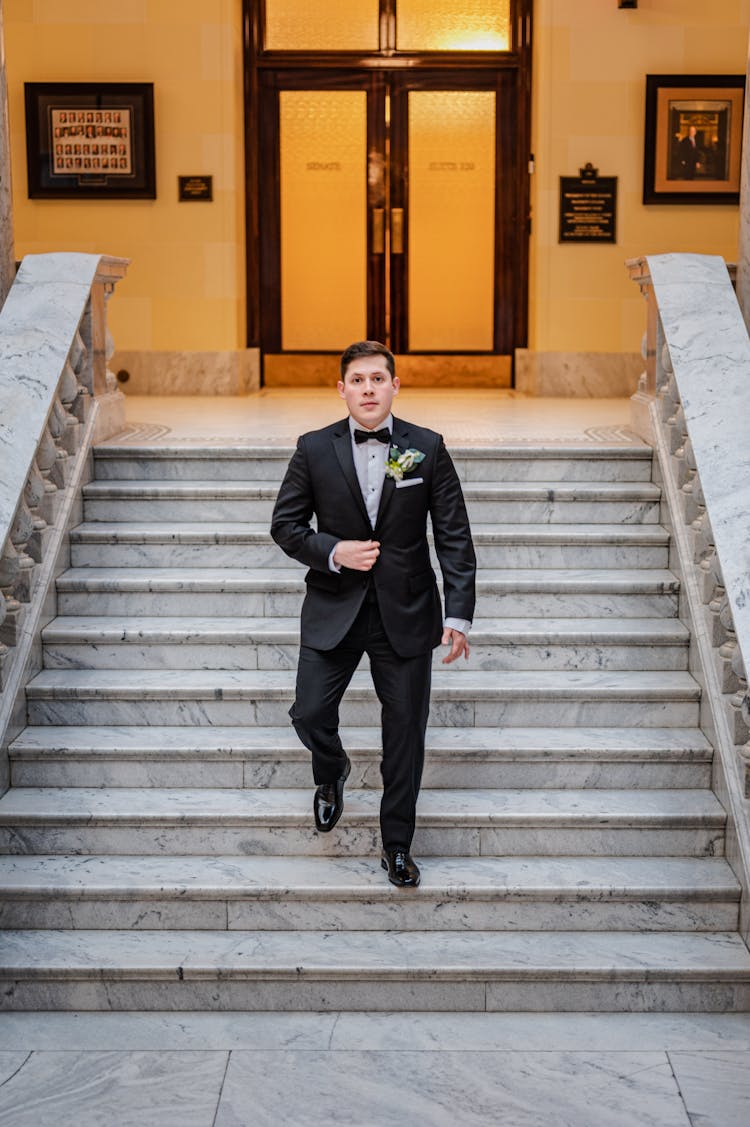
[
  {"x": 328, "y": 804},
  {"x": 402, "y": 870}
]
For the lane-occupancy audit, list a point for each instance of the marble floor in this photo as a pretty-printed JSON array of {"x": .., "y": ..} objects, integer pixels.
[
  {"x": 277, "y": 416},
  {"x": 368, "y": 1070}
]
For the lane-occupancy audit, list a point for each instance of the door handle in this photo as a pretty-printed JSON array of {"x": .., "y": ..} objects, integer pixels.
[
  {"x": 397, "y": 230},
  {"x": 378, "y": 230}
]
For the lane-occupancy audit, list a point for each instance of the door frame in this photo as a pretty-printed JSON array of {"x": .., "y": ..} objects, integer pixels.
[{"x": 512, "y": 257}]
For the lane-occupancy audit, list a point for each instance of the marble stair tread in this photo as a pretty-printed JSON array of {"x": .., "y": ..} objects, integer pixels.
[
  {"x": 228, "y": 532},
  {"x": 635, "y": 451},
  {"x": 112, "y": 450},
  {"x": 506, "y": 743},
  {"x": 261, "y": 684},
  {"x": 241, "y": 580},
  {"x": 544, "y": 1031},
  {"x": 177, "y": 532},
  {"x": 534, "y": 955},
  {"x": 285, "y": 631},
  {"x": 179, "y": 489},
  {"x": 25, "y": 806},
  {"x": 334, "y": 878}
]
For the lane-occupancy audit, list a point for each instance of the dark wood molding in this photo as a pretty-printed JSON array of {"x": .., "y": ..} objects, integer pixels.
[
  {"x": 376, "y": 198},
  {"x": 524, "y": 14},
  {"x": 445, "y": 60},
  {"x": 267, "y": 191},
  {"x": 251, "y": 32}
]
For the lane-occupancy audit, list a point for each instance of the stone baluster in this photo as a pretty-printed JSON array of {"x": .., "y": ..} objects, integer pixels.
[
  {"x": 83, "y": 375},
  {"x": 34, "y": 497},
  {"x": 24, "y": 548}
]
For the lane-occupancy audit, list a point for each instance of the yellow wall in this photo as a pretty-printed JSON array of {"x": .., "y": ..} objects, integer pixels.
[
  {"x": 185, "y": 289},
  {"x": 589, "y": 105},
  {"x": 185, "y": 286}
]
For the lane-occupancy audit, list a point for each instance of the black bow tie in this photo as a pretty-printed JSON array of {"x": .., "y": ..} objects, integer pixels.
[{"x": 383, "y": 435}]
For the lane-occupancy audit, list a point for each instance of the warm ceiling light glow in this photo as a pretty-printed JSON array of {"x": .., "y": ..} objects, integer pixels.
[
  {"x": 444, "y": 25},
  {"x": 475, "y": 41}
]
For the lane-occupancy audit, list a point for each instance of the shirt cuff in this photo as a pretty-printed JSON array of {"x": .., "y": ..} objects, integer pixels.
[
  {"x": 331, "y": 565},
  {"x": 461, "y": 624}
]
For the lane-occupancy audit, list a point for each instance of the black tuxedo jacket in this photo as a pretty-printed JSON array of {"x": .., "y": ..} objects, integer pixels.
[{"x": 322, "y": 480}]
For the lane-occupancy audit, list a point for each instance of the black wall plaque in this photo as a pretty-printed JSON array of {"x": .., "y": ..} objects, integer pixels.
[
  {"x": 588, "y": 207},
  {"x": 193, "y": 188}
]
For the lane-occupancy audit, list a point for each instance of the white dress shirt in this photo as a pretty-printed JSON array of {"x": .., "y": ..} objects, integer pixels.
[{"x": 369, "y": 462}]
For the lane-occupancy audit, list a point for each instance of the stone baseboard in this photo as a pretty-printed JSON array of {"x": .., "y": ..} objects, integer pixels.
[
  {"x": 228, "y": 372},
  {"x": 588, "y": 375}
]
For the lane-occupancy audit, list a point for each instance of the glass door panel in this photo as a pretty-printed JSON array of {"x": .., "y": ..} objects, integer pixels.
[
  {"x": 444, "y": 25},
  {"x": 323, "y": 177},
  {"x": 451, "y": 220},
  {"x": 326, "y": 25}
]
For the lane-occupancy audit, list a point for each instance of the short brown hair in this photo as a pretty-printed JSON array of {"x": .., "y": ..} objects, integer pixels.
[{"x": 367, "y": 348}]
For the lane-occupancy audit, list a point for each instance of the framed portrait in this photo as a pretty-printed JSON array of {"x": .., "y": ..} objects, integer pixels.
[
  {"x": 90, "y": 140},
  {"x": 693, "y": 138}
]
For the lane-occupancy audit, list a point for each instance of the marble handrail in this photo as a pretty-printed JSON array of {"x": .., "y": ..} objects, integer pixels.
[
  {"x": 697, "y": 391},
  {"x": 53, "y": 365},
  {"x": 653, "y": 338}
]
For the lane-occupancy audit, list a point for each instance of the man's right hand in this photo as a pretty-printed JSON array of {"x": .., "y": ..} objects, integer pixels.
[{"x": 359, "y": 555}]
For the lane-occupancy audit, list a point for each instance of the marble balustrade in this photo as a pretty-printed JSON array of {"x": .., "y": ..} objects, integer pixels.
[
  {"x": 54, "y": 349},
  {"x": 693, "y": 403}
]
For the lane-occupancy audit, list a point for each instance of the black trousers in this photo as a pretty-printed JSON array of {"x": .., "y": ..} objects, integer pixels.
[{"x": 403, "y": 689}]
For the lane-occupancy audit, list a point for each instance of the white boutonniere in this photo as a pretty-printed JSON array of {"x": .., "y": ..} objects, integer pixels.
[{"x": 401, "y": 462}]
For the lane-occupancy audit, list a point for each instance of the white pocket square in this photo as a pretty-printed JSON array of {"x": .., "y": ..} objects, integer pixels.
[{"x": 409, "y": 481}]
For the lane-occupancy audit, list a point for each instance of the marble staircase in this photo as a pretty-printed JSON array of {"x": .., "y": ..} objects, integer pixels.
[{"x": 157, "y": 841}]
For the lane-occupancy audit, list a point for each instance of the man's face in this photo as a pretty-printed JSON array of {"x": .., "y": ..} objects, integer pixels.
[{"x": 368, "y": 390}]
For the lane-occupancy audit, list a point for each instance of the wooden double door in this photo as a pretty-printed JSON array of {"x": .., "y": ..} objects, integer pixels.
[{"x": 392, "y": 205}]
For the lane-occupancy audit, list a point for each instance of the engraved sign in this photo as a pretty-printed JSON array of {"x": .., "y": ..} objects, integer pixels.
[
  {"x": 193, "y": 189},
  {"x": 588, "y": 207}
]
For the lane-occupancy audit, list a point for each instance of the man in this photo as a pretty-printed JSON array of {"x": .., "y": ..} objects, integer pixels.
[
  {"x": 690, "y": 155},
  {"x": 371, "y": 480}
]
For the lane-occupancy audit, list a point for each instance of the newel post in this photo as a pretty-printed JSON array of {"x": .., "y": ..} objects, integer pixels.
[{"x": 651, "y": 351}]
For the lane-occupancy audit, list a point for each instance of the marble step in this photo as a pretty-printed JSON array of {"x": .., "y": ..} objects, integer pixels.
[
  {"x": 223, "y": 544},
  {"x": 651, "y": 758},
  {"x": 351, "y": 893},
  {"x": 546, "y": 502},
  {"x": 467, "y": 823},
  {"x": 268, "y": 463},
  {"x": 86, "y": 642},
  {"x": 465, "y": 699},
  {"x": 262, "y": 592},
  {"x": 375, "y": 971}
]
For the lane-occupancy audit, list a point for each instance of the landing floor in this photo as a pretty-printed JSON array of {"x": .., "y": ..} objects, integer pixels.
[
  {"x": 368, "y": 1070},
  {"x": 467, "y": 418}
]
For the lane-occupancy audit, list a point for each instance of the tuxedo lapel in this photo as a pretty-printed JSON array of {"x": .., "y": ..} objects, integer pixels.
[
  {"x": 342, "y": 444},
  {"x": 400, "y": 439}
]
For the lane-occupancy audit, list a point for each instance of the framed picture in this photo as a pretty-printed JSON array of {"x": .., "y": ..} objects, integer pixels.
[
  {"x": 90, "y": 140},
  {"x": 693, "y": 138}
]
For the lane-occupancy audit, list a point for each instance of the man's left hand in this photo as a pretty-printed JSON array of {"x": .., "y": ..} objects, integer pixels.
[{"x": 458, "y": 644}]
